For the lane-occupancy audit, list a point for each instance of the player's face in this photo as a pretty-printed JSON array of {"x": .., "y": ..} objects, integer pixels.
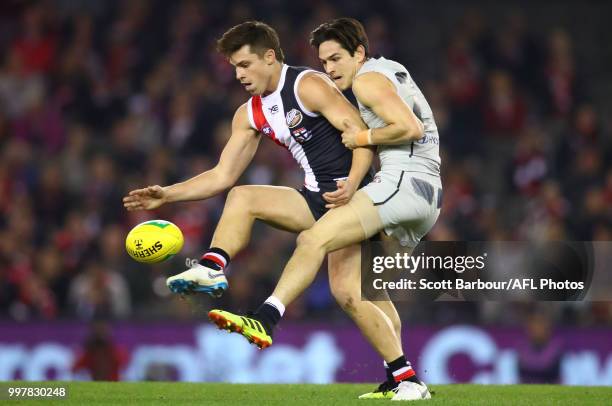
[
  {"x": 339, "y": 64},
  {"x": 252, "y": 71}
]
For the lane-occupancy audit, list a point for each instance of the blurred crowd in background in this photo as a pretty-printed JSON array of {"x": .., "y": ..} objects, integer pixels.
[{"x": 101, "y": 97}]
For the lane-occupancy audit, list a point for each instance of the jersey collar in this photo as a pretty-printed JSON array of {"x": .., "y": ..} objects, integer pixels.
[{"x": 281, "y": 82}]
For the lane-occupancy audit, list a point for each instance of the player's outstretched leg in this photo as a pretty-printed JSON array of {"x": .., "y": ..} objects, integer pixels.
[
  {"x": 250, "y": 328},
  {"x": 244, "y": 205}
]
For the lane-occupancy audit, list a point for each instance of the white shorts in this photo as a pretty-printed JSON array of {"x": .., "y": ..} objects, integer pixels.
[{"x": 408, "y": 203}]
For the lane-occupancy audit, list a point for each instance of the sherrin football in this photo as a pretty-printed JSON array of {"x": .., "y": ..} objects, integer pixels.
[{"x": 154, "y": 241}]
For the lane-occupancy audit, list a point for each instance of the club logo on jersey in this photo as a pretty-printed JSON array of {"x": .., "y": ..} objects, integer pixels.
[
  {"x": 273, "y": 109},
  {"x": 267, "y": 130},
  {"x": 301, "y": 135},
  {"x": 294, "y": 117}
]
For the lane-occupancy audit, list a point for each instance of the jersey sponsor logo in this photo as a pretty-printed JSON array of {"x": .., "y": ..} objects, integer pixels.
[
  {"x": 294, "y": 118},
  {"x": 273, "y": 109},
  {"x": 429, "y": 139},
  {"x": 301, "y": 135}
]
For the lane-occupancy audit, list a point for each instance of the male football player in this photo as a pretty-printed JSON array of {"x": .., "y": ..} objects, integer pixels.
[
  {"x": 404, "y": 200},
  {"x": 303, "y": 111}
]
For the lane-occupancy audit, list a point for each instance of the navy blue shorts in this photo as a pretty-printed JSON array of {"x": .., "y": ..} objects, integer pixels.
[{"x": 315, "y": 200}]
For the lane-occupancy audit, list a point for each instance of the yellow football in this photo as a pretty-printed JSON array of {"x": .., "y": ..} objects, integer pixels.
[{"x": 154, "y": 241}]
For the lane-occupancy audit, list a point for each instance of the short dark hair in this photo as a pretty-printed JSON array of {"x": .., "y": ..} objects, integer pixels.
[
  {"x": 348, "y": 32},
  {"x": 259, "y": 36}
]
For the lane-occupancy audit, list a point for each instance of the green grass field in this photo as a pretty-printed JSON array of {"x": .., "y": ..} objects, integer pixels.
[{"x": 171, "y": 394}]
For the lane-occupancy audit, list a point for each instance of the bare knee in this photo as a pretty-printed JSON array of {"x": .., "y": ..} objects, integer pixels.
[
  {"x": 237, "y": 195},
  {"x": 308, "y": 240},
  {"x": 346, "y": 298},
  {"x": 242, "y": 199},
  {"x": 347, "y": 301}
]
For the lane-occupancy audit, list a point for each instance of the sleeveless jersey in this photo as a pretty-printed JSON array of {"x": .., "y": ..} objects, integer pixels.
[
  {"x": 419, "y": 156},
  {"x": 313, "y": 141}
]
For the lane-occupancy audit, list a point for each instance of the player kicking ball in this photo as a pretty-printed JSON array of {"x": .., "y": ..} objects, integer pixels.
[
  {"x": 404, "y": 200},
  {"x": 299, "y": 109}
]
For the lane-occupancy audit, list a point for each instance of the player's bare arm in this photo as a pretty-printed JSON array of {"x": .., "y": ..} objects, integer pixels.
[
  {"x": 375, "y": 91},
  {"x": 236, "y": 156},
  {"x": 319, "y": 94}
]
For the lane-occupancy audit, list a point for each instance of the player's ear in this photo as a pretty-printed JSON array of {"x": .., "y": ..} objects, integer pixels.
[
  {"x": 269, "y": 57},
  {"x": 360, "y": 53}
]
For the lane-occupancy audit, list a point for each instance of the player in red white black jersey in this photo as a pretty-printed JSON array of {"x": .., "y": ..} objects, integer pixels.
[
  {"x": 308, "y": 136},
  {"x": 301, "y": 110}
]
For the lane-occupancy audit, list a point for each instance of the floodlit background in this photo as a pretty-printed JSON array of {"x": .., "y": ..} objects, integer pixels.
[{"x": 100, "y": 97}]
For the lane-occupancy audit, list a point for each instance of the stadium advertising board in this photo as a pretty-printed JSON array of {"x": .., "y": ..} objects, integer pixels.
[{"x": 315, "y": 353}]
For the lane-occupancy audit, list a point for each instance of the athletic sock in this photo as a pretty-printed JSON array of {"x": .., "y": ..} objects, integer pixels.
[
  {"x": 215, "y": 258},
  {"x": 388, "y": 372},
  {"x": 270, "y": 313},
  {"x": 413, "y": 378},
  {"x": 402, "y": 370}
]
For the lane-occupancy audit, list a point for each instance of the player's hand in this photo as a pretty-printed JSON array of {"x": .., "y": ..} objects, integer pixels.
[
  {"x": 350, "y": 134},
  {"x": 340, "y": 196},
  {"x": 148, "y": 198}
]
